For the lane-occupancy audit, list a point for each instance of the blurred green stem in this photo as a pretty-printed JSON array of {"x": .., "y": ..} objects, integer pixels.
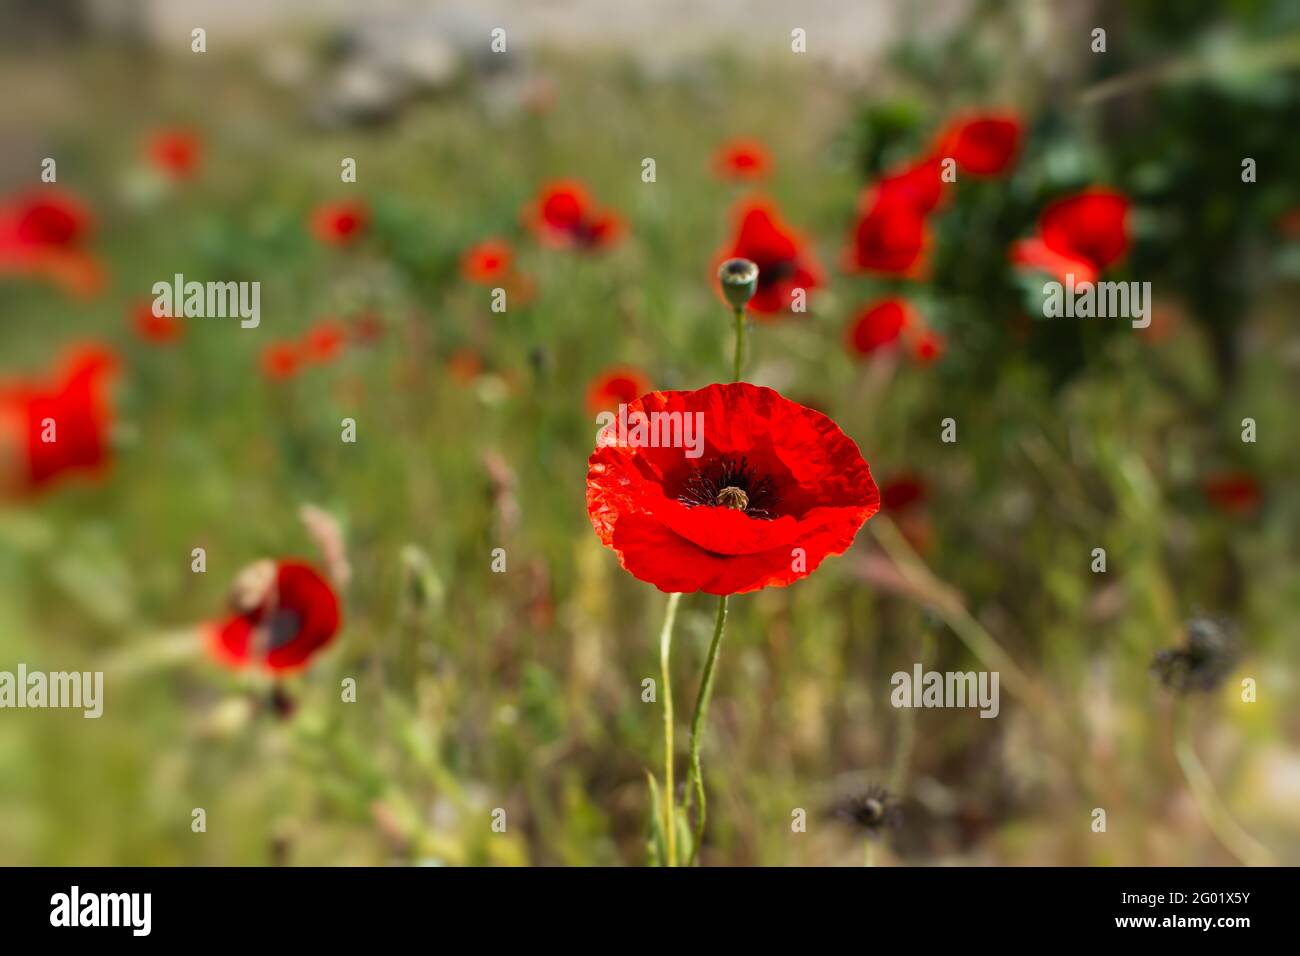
[
  {"x": 665, "y": 646},
  {"x": 1229, "y": 832},
  {"x": 869, "y": 852},
  {"x": 696, "y": 775},
  {"x": 740, "y": 343}
]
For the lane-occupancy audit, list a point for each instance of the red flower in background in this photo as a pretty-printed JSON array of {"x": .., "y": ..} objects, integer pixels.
[
  {"x": 281, "y": 360},
  {"x": 620, "y": 385},
  {"x": 891, "y": 235},
  {"x": 982, "y": 145},
  {"x": 324, "y": 341},
  {"x": 1233, "y": 492},
  {"x": 918, "y": 185},
  {"x": 783, "y": 259},
  {"x": 879, "y": 325},
  {"x": 340, "y": 223},
  {"x": 742, "y": 159},
  {"x": 487, "y": 262},
  {"x": 902, "y": 498},
  {"x": 283, "y": 612},
  {"x": 174, "y": 152},
  {"x": 928, "y": 346},
  {"x": 158, "y": 329},
  {"x": 777, "y": 489},
  {"x": 48, "y": 429},
  {"x": 42, "y": 234},
  {"x": 1082, "y": 235},
  {"x": 564, "y": 215}
]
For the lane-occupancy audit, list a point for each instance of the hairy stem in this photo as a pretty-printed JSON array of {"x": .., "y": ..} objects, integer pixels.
[
  {"x": 665, "y": 646},
  {"x": 696, "y": 775}
]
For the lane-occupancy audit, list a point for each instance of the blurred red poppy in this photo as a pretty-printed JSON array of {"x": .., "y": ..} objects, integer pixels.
[
  {"x": 742, "y": 159},
  {"x": 174, "y": 152},
  {"x": 281, "y": 360},
  {"x": 487, "y": 262},
  {"x": 464, "y": 365},
  {"x": 902, "y": 491},
  {"x": 918, "y": 185},
  {"x": 324, "y": 341},
  {"x": 565, "y": 215},
  {"x": 41, "y": 235},
  {"x": 158, "y": 329},
  {"x": 982, "y": 145},
  {"x": 879, "y": 325},
  {"x": 891, "y": 235},
  {"x": 283, "y": 612},
  {"x": 927, "y": 346},
  {"x": 1233, "y": 492},
  {"x": 784, "y": 258},
  {"x": 619, "y": 385},
  {"x": 776, "y": 489},
  {"x": 50, "y": 428},
  {"x": 1081, "y": 235},
  {"x": 340, "y": 223}
]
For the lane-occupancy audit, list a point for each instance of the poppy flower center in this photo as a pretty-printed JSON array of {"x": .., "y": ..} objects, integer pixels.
[
  {"x": 282, "y": 626},
  {"x": 776, "y": 271},
  {"x": 728, "y": 483}
]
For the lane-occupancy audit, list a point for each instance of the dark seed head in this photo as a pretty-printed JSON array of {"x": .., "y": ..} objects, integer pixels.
[
  {"x": 739, "y": 278},
  {"x": 873, "y": 810},
  {"x": 1207, "y": 657}
]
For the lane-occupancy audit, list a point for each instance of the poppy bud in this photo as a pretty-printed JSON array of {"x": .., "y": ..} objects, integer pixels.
[{"x": 739, "y": 278}]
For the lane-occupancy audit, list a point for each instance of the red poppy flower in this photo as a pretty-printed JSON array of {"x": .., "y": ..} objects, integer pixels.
[
  {"x": 1233, "y": 492},
  {"x": 879, "y": 325},
  {"x": 41, "y": 235},
  {"x": 919, "y": 185},
  {"x": 1083, "y": 235},
  {"x": 616, "y": 386},
  {"x": 283, "y": 613},
  {"x": 48, "y": 429},
  {"x": 891, "y": 235},
  {"x": 341, "y": 223},
  {"x": 281, "y": 360},
  {"x": 324, "y": 341},
  {"x": 158, "y": 329},
  {"x": 174, "y": 152},
  {"x": 777, "y": 487},
  {"x": 742, "y": 159},
  {"x": 984, "y": 145},
  {"x": 784, "y": 261},
  {"x": 927, "y": 346},
  {"x": 487, "y": 262},
  {"x": 902, "y": 491},
  {"x": 564, "y": 215}
]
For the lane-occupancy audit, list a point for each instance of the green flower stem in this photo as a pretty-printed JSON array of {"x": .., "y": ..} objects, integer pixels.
[
  {"x": 696, "y": 775},
  {"x": 740, "y": 343},
  {"x": 1229, "y": 832},
  {"x": 665, "y": 646}
]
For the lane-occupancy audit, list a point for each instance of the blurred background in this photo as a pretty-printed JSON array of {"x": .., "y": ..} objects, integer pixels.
[{"x": 522, "y": 690}]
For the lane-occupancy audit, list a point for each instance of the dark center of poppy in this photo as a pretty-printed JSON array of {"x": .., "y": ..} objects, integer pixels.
[
  {"x": 729, "y": 483},
  {"x": 282, "y": 626},
  {"x": 770, "y": 273}
]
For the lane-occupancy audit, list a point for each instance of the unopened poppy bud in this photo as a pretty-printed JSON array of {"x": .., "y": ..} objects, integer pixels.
[{"x": 739, "y": 278}]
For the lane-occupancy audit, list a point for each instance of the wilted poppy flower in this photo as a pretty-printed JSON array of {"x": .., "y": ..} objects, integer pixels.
[
  {"x": 1233, "y": 492},
  {"x": 616, "y": 386},
  {"x": 324, "y": 341},
  {"x": 41, "y": 235},
  {"x": 891, "y": 235},
  {"x": 984, "y": 145},
  {"x": 158, "y": 329},
  {"x": 565, "y": 215},
  {"x": 879, "y": 325},
  {"x": 283, "y": 612},
  {"x": 1081, "y": 235},
  {"x": 281, "y": 360},
  {"x": 50, "y": 428},
  {"x": 874, "y": 811},
  {"x": 775, "y": 489},
  {"x": 340, "y": 223},
  {"x": 742, "y": 159},
  {"x": 1208, "y": 656},
  {"x": 487, "y": 262},
  {"x": 174, "y": 152},
  {"x": 785, "y": 262}
]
